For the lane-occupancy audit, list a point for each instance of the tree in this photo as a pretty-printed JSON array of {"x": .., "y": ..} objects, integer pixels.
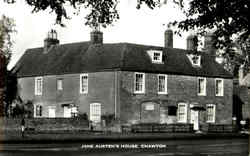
[
  {"x": 8, "y": 87},
  {"x": 101, "y": 12},
  {"x": 230, "y": 21}
]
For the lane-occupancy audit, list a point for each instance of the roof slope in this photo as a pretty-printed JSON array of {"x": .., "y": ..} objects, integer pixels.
[{"x": 85, "y": 57}]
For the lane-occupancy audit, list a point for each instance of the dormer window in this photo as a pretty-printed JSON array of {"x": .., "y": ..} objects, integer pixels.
[
  {"x": 156, "y": 56},
  {"x": 195, "y": 59}
]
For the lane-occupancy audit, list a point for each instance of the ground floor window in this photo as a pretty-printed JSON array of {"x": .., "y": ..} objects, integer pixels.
[
  {"x": 38, "y": 109},
  {"x": 52, "y": 112},
  {"x": 70, "y": 111},
  {"x": 74, "y": 111},
  {"x": 182, "y": 112},
  {"x": 211, "y": 113},
  {"x": 172, "y": 110},
  {"x": 95, "y": 112}
]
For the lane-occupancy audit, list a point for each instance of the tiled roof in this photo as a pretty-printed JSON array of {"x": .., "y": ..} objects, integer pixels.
[{"x": 85, "y": 57}]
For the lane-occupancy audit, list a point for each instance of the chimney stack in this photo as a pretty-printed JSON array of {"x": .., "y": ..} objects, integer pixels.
[
  {"x": 96, "y": 36},
  {"x": 192, "y": 42},
  {"x": 168, "y": 38},
  {"x": 50, "y": 40},
  {"x": 209, "y": 47}
]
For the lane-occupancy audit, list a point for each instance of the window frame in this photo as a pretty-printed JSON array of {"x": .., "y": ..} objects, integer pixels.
[
  {"x": 40, "y": 110},
  {"x": 191, "y": 56},
  {"x": 222, "y": 89},
  {"x": 39, "y": 89},
  {"x": 152, "y": 56},
  {"x": 165, "y": 84},
  {"x": 185, "y": 112},
  {"x": 59, "y": 87},
  {"x": 81, "y": 83},
  {"x": 214, "y": 113},
  {"x": 205, "y": 86},
  {"x": 173, "y": 111},
  {"x": 95, "y": 110},
  {"x": 143, "y": 83},
  {"x": 160, "y": 56}
]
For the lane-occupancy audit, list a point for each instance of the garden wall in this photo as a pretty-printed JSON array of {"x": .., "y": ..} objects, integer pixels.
[{"x": 45, "y": 124}]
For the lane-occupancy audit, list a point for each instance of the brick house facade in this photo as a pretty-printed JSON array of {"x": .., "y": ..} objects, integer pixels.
[{"x": 135, "y": 83}]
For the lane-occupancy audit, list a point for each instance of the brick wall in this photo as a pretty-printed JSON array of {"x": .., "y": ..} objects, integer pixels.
[
  {"x": 180, "y": 89},
  {"x": 246, "y": 107},
  {"x": 101, "y": 90}
]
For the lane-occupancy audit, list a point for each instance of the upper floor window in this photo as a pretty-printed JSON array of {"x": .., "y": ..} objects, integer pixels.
[
  {"x": 211, "y": 113},
  {"x": 219, "y": 87},
  {"x": 162, "y": 84},
  {"x": 182, "y": 112},
  {"x": 202, "y": 86},
  {"x": 139, "y": 83},
  {"x": 195, "y": 59},
  {"x": 38, "y": 86},
  {"x": 84, "y": 83},
  {"x": 59, "y": 84},
  {"x": 38, "y": 111},
  {"x": 156, "y": 56}
]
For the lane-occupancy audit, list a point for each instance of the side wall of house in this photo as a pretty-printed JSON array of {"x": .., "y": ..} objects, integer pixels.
[
  {"x": 180, "y": 89},
  {"x": 246, "y": 107},
  {"x": 100, "y": 90}
]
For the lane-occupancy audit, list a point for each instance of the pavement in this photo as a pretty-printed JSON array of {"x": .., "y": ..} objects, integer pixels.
[{"x": 32, "y": 137}]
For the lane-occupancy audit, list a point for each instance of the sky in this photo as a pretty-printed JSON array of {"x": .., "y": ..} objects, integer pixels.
[{"x": 143, "y": 26}]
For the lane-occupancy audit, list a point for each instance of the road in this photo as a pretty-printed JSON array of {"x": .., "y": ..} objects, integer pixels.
[{"x": 204, "y": 147}]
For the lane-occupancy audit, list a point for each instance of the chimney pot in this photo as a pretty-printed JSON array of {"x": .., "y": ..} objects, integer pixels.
[{"x": 50, "y": 40}]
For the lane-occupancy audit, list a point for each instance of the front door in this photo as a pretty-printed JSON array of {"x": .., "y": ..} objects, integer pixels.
[
  {"x": 95, "y": 112},
  {"x": 194, "y": 118}
]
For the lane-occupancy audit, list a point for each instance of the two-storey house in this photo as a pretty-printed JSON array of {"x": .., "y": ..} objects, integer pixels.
[{"x": 136, "y": 83}]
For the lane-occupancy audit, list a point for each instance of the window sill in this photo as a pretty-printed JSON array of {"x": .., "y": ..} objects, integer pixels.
[
  {"x": 156, "y": 62},
  {"x": 83, "y": 93},
  {"x": 210, "y": 122},
  {"x": 182, "y": 122},
  {"x": 202, "y": 94},
  {"x": 139, "y": 92},
  {"x": 162, "y": 93},
  {"x": 219, "y": 95}
]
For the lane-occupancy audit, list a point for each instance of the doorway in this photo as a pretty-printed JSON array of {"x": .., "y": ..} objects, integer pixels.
[{"x": 95, "y": 112}]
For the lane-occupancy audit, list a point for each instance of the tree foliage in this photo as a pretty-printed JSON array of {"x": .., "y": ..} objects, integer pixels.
[
  {"x": 229, "y": 20},
  {"x": 8, "y": 79},
  {"x": 100, "y": 12},
  {"x": 7, "y": 28}
]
